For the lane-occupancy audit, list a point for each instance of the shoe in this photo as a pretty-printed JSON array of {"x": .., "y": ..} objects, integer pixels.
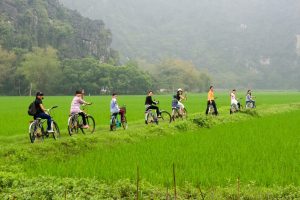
[
  {"x": 50, "y": 131},
  {"x": 158, "y": 116},
  {"x": 85, "y": 126}
]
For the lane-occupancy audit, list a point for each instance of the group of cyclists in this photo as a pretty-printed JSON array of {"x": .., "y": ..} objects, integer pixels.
[{"x": 78, "y": 100}]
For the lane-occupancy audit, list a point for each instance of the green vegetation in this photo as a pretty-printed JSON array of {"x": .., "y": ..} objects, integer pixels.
[
  {"x": 259, "y": 147},
  {"x": 44, "y": 46}
]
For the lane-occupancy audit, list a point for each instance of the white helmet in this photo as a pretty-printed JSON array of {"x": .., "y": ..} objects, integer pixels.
[{"x": 179, "y": 90}]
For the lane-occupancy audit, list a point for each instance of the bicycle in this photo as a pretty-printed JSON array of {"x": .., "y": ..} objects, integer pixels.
[
  {"x": 75, "y": 122},
  {"x": 177, "y": 114},
  {"x": 151, "y": 117},
  {"x": 235, "y": 107},
  {"x": 37, "y": 131},
  {"x": 114, "y": 120},
  {"x": 249, "y": 104}
]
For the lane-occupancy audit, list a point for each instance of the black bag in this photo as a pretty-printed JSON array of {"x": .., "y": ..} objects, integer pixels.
[{"x": 32, "y": 109}]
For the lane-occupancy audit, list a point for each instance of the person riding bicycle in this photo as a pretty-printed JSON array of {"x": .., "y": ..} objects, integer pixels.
[
  {"x": 41, "y": 111},
  {"x": 180, "y": 97},
  {"x": 249, "y": 98},
  {"x": 211, "y": 101},
  {"x": 114, "y": 107},
  {"x": 175, "y": 102},
  {"x": 233, "y": 100},
  {"x": 150, "y": 104},
  {"x": 75, "y": 107}
]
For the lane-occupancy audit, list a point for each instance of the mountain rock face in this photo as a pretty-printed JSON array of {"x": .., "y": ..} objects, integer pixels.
[
  {"x": 240, "y": 43},
  {"x": 39, "y": 23}
]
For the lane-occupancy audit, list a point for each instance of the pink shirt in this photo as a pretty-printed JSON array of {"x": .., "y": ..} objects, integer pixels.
[{"x": 75, "y": 105}]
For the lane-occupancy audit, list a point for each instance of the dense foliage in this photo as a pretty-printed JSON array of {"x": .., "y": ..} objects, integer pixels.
[
  {"x": 41, "y": 69},
  {"x": 44, "y": 46},
  {"x": 38, "y": 23},
  {"x": 240, "y": 43}
]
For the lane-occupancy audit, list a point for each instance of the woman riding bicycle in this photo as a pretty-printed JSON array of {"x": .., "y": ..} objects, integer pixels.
[
  {"x": 180, "y": 98},
  {"x": 75, "y": 107},
  {"x": 249, "y": 98},
  {"x": 114, "y": 107},
  {"x": 233, "y": 100}
]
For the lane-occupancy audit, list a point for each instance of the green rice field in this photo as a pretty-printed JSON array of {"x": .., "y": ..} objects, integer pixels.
[{"x": 254, "y": 154}]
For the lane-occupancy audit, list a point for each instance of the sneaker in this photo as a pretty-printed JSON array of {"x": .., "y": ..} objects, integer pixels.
[
  {"x": 158, "y": 116},
  {"x": 50, "y": 131},
  {"x": 85, "y": 126}
]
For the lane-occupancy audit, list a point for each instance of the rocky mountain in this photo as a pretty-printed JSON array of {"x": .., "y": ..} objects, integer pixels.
[
  {"x": 240, "y": 43},
  {"x": 38, "y": 23}
]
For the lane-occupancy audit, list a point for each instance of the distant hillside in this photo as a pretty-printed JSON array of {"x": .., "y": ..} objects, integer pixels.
[
  {"x": 38, "y": 23},
  {"x": 240, "y": 43}
]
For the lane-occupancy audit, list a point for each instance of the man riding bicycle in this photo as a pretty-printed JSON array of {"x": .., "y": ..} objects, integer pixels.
[
  {"x": 211, "y": 100},
  {"x": 114, "y": 107},
  {"x": 41, "y": 111},
  {"x": 150, "y": 104},
  {"x": 75, "y": 107}
]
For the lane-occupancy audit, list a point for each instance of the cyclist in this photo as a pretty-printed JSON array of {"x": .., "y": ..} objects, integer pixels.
[
  {"x": 150, "y": 104},
  {"x": 175, "y": 102},
  {"x": 180, "y": 97},
  {"x": 233, "y": 99},
  {"x": 211, "y": 100},
  {"x": 114, "y": 107},
  {"x": 75, "y": 107},
  {"x": 41, "y": 111},
  {"x": 249, "y": 98}
]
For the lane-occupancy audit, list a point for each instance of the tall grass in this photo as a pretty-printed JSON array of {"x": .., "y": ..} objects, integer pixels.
[
  {"x": 262, "y": 151},
  {"x": 14, "y": 119}
]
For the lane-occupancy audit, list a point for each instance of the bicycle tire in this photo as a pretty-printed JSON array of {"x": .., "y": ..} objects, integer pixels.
[
  {"x": 56, "y": 132},
  {"x": 91, "y": 123},
  {"x": 113, "y": 124},
  {"x": 72, "y": 125},
  {"x": 185, "y": 114},
  {"x": 165, "y": 117},
  {"x": 124, "y": 123},
  {"x": 35, "y": 132},
  {"x": 150, "y": 118}
]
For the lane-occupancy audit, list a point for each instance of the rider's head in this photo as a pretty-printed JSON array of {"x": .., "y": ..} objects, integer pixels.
[
  {"x": 39, "y": 95},
  {"x": 78, "y": 93},
  {"x": 114, "y": 95},
  {"x": 249, "y": 92},
  {"x": 211, "y": 87},
  {"x": 179, "y": 90},
  {"x": 234, "y": 90},
  {"x": 150, "y": 93}
]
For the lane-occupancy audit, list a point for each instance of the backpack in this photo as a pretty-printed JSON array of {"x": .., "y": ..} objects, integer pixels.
[{"x": 32, "y": 109}]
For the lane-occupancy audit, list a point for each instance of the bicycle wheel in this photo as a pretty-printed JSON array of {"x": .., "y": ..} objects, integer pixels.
[
  {"x": 56, "y": 132},
  {"x": 35, "y": 132},
  {"x": 165, "y": 117},
  {"x": 113, "y": 124},
  {"x": 124, "y": 123},
  {"x": 150, "y": 118},
  {"x": 72, "y": 125},
  {"x": 91, "y": 123},
  {"x": 174, "y": 114},
  {"x": 184, "y": 114}
]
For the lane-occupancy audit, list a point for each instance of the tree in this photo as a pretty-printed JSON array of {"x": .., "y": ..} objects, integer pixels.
[
  {"x": 7, "y": 60},
  {"x": 41, "y": 68}
]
